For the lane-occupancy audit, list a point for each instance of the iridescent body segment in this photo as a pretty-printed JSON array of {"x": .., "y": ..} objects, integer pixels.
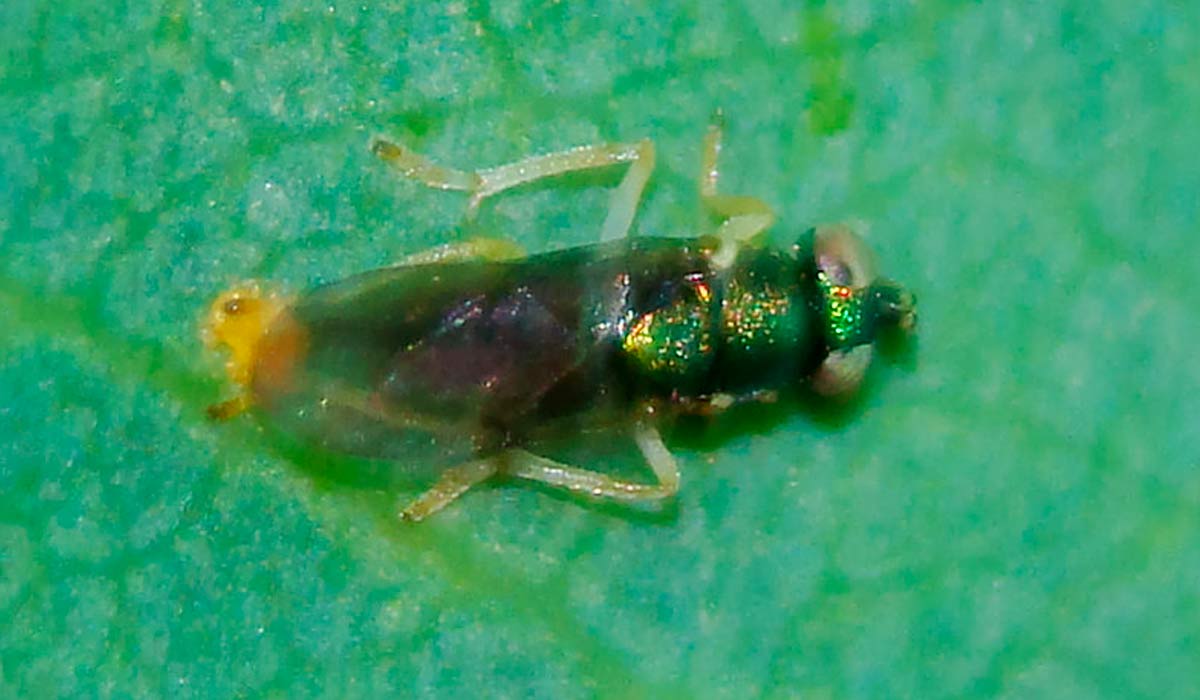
[
  {"x": 843, "y": 312},
  {"x": 473, "y": 355},
  {"x": 673, "y": 346}
]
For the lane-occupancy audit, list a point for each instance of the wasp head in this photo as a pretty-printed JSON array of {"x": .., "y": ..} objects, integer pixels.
[{"x": 856, "y": 307}]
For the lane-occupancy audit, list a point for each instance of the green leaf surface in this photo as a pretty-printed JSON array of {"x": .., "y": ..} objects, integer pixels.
[{"x": 1013, "y": 512}]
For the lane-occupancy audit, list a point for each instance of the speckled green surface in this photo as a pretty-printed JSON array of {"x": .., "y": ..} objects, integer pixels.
[{"x": 1014, "y": 513}]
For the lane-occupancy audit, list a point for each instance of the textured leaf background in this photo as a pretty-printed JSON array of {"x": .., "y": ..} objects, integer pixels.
[{"x": 1010, "y": 511}]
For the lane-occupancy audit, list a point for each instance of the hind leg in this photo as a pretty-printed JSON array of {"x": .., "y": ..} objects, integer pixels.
[
  {"x": 453, "y": 483},
  {"x": 481, "y": 184},
  {"x": 526, "y": 465},
  {"x": 495, "y": 249}
]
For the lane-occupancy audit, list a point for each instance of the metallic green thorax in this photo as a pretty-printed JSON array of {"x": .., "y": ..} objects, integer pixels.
[
  {"x": 854, "y": 316},
  {"x": 842, "y": 310}
]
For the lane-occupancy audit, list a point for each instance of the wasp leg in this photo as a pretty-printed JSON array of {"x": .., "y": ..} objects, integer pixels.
[
  {"x": 484, "y": 183},
  {"x": 625, "y": 199},
  {"x": 493, "y": 249},
  {"x": 527, "y": 465},
  {"x": 232, "y": 408},
  {"x": 453, "y": 483},
  {"x": 745, "y": 216}
]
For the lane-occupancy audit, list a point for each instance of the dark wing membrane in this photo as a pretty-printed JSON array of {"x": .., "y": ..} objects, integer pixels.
[
  {"x": 431, "y": 359},
  {"x": 352, "y": 329},
  {"x": 491, "y": 356}
]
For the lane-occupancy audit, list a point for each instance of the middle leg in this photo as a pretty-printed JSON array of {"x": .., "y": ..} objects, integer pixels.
[{"x": 745, "y": 216}]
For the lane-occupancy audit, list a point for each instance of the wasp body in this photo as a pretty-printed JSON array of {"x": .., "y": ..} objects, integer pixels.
[{"x": 475, "y": 355}]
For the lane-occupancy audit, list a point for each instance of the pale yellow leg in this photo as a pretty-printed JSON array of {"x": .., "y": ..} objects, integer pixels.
[
  {"x": 625, "y": 199},
  {"x": 745, "y": 216},
  {"x": 495, "y": 249},
  {"x": 232, "y": 408},
  {"x": 526, "y": 465},
  {"x": 481, "y": 184},
  {"x": 453, "y": 483}
]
